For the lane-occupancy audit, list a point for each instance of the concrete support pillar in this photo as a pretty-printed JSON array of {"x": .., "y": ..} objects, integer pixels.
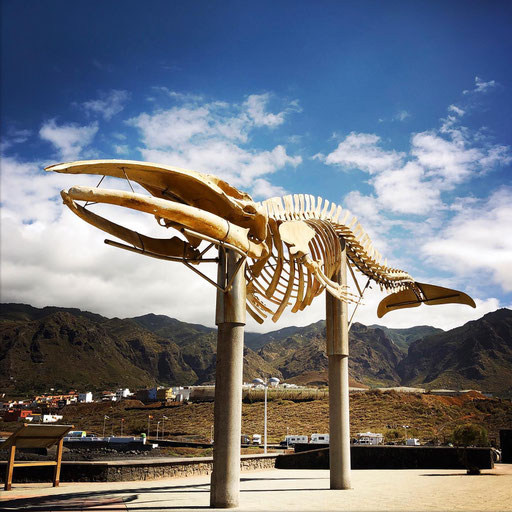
[
  {"x": 337, "y": 352},
  {"x": 230, "y": 319}
]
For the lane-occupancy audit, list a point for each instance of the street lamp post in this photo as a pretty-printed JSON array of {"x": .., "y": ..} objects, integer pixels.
[
  {"x": 157, "y": 428},
  {"x": 405, "y": 432},
  {"x": 149, "y": 423},
  {"x": 265, "y": 384},
  {"x": 163, "y": 425},
  {"x": 122, "y": 421},
  {"x": 105, "y": 418}
]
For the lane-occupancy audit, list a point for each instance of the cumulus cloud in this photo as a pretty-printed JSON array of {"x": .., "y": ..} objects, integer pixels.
[
  {"x": 50, "y": 257},
  {"x": 68, "y": 139},
  {"x": 476, "y": 240},
  {"x": 212, "y": 137},
  {"x": 445, "y": 317},
  {"x": 256, "y": 109},
  {"x": 451, "y": 161},
  {"x": 405, "y": 190},
  {"x": 436, "y": 162},
  {"x": 366, "y": 208},
  {"x": 262, "y": 189},
  {"x": 108, "y": 104},
  {"x": 362, "y": 151}
]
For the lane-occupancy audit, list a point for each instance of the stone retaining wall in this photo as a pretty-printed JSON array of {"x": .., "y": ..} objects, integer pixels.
[{"x": 120, "y": 471}]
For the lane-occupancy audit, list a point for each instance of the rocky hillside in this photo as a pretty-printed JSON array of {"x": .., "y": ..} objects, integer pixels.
[
  {"x": 476, "y": 355},
  {"x": 67, "y": 348},
  {"x": 402, "y": 338}
]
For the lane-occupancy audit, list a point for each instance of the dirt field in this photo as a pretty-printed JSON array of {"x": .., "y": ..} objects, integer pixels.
[{"x": 430, "y": 417}]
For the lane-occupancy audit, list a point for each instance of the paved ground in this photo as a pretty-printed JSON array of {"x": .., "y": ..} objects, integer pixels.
[{"x": 286, "y": 490}]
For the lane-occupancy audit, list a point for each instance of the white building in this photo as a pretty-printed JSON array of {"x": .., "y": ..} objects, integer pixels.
[
  {"x": 122, "y": 393},
  {"x": 85, "y": 397},
  {"x": 51, "y": 418},
  {"x": 181, "y": 393}
]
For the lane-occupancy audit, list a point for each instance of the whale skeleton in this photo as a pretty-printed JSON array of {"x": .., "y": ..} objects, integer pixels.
[{"x": 291, "y": 245}]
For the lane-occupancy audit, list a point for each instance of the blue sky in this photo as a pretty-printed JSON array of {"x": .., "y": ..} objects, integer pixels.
[{"x": 399, "y": 111}]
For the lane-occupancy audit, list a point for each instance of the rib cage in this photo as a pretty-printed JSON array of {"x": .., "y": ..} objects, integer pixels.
[{"x": 282, "y": 279}]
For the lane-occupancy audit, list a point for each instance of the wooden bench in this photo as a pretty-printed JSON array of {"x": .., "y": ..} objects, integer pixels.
[{"x": 35, "y": 436}]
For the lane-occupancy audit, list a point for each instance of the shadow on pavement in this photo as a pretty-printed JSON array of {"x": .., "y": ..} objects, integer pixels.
[
  {"x": 70, "y": 500},
  {"x": 459, "y": 474},
  {"x": 105, "y": 499}
]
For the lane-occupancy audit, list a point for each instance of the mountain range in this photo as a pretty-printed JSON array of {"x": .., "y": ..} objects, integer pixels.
[{"x": 66, "y": 348}]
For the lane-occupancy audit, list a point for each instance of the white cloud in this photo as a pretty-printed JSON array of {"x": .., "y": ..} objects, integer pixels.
[
  {"x": 436, "y": 162},
  {"x": 238, "y": 166},
  {"x": 478, "y": 239},
  {"x": 401, "y": 116},
  {"x": 361, "y": 150},
  {"x": 187, "y": 97},
  {"x": 449, "y": 160},
  {"x": 66, "y": 263},
  {"x": 50, "y": 257},
  {"x": 68, "y": 139},
  {"x": 180, "y": 125},
  {"x": 405, "y": 190},
  {"x": 447, "y": 316},
  {"x": 108, "y": 105},
  {"x": 14, "y": 136},
  {"x": 456, "y": 110},
  {"x": 256, "y": 109},
  {"x": 121, "y": 149},
  {"x": 262, "y": 189},
  {"x": 481, "y": 86},
  {"x": 210, "y": 137},
  {"x": 367, "y": 209}
]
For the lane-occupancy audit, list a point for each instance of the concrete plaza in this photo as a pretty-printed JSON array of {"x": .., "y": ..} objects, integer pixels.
[{"x": 287, "y": 490}]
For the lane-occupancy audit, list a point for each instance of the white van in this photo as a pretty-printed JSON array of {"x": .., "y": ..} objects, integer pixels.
[
  {"x": 319, "y": 439},
  {"x": 293, "y": 440},
  {"x": 256, "y": 439}
]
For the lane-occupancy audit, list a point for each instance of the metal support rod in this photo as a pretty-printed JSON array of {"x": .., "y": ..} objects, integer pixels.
[
  {"x": 265, "y": 422},
  {"x": 230, "y": 319},
  {"x": 361, "y": 293},
  {"x": 158, "y": 256},
  {"x": 337, "y": 351}
]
